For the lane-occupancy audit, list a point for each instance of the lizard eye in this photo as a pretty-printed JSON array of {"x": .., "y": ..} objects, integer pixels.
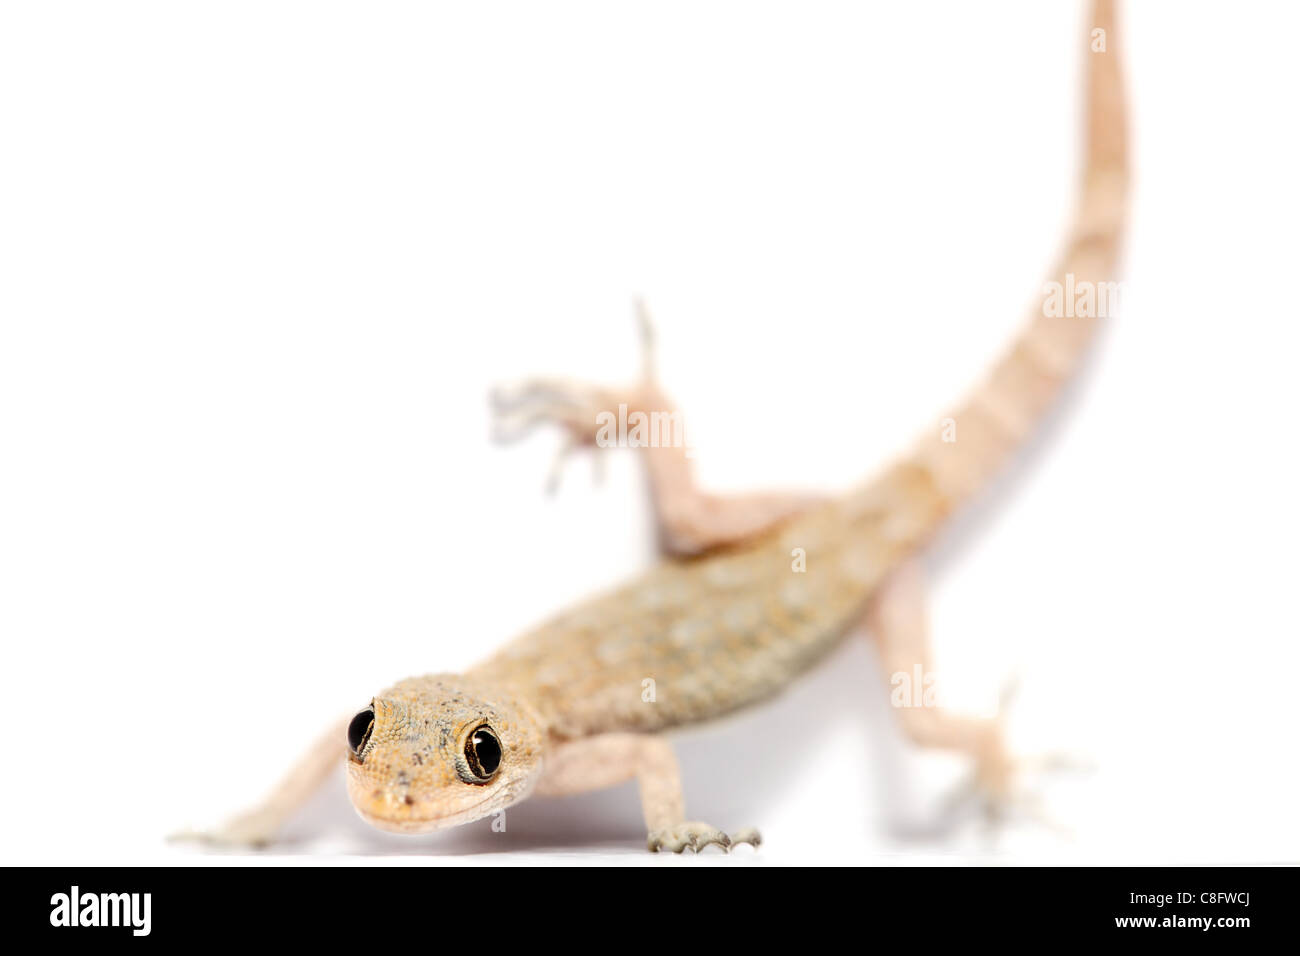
[
  {"x": 483, "y": 752},
  {"x": 359, "y": 730}
]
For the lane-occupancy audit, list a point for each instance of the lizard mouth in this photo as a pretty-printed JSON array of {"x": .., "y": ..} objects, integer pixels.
[
  {"x": 417, "y": 817},
  {"x": 415, "y": 824}
]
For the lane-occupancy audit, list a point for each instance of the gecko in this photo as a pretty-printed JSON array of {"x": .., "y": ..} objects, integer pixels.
[{"x": 724, "y": 621}]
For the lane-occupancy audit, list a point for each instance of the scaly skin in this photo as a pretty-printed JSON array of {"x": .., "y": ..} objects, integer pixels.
[
  {"x": 730, "y": 621},
  {"x": 715, "y": 633}
]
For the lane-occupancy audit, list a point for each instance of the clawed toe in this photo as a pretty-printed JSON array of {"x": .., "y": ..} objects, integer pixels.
[
  {"x": 696, "y": 836},
  {"x": 226, "y": 838},
  {"x": 517, "y": 411}
]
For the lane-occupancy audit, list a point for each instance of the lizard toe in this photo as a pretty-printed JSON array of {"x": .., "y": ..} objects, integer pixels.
[{"x": 696, "y": 837}]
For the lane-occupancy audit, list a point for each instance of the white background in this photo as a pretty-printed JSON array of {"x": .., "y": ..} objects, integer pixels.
[{"x": 260, "y": 264}]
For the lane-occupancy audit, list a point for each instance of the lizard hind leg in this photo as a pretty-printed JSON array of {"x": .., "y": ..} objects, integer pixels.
[
  {"x": 690, "y": 521},
  {"x": 897, "y": 621}
]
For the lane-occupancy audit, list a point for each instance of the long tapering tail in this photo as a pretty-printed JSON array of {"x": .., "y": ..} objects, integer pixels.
[{"x": 971, "y": 443}]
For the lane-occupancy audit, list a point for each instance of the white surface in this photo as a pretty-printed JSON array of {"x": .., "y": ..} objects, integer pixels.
[{"x": 260, "y": 264}]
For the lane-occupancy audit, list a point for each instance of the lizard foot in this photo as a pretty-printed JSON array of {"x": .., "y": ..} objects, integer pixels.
[
  {"x": 252, "y": 830},
  {"x": 581, "y": 410},
  {"x": 574, "y": 406},
  {"x": 586, "y": 414},
  {"x": 994, "y": 788},
  {"x": 995, "y": 785},
  {"x": 696, "y": 836}
]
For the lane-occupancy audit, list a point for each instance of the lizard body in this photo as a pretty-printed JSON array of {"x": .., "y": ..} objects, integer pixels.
[
  {"x": 732, "y": 618},
  {"x": 716, "y": 632}
]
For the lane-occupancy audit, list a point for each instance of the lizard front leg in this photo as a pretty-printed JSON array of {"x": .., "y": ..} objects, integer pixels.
[
  {"x": 594, "y": 763},
  {"x": 257, "y": 826},
  {"x": 690, "y": 521}
]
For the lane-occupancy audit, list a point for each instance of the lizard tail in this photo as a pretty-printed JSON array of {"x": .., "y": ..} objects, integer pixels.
[{"x": 971, "y": 443}]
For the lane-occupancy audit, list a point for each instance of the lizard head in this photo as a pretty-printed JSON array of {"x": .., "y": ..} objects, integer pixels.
[{"x": 438, "y": 751}]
